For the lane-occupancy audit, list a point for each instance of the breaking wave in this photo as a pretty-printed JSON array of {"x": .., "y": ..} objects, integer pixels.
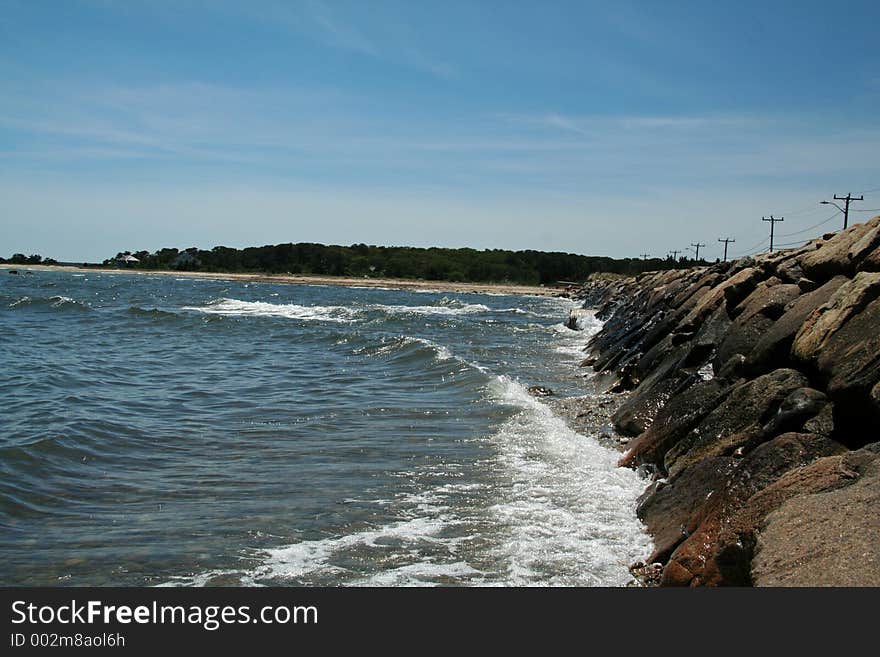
[{"x": 235, "y": 307}]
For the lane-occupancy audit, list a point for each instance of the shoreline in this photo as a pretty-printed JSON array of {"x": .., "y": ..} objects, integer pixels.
[
  {"x": 307, "y": 279},
  {"x": 748, "y": 390}
]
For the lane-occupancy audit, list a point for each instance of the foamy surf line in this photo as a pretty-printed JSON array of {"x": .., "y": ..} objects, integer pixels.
[
  {"x": 569, "y": 510},
  {"x": 235, "y": 307},
  {"x": 403, "y": 541},
  {"x": 449, "y": 309},
  {"x": 557, "y": 511}
]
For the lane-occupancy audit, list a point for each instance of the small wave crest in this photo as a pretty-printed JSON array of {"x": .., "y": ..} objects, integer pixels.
[
  {"x": 55, "y": 301},
  {"x": 390, "y": 346},
  {"x": 449, "y": 308},
  {"x": 236, "y": 307},
  {"x": 419, "y": 548}
]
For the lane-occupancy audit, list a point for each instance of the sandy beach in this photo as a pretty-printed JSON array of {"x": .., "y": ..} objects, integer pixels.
[{"x": 299, "y": 279}]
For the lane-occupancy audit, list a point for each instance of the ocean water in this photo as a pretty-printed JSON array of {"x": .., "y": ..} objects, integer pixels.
[{"x": 181, "y": 431}]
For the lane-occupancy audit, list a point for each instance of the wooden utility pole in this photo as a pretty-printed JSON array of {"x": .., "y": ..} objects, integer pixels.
[
  {"x": 697, "y": 247},
  {"x": 772, "y": 221},
  {"x": 726, "y": 241},
  {"x": 645, "y": 256},
  {"x": 674, "y": 255},
  {"x": 846, "y": 199}
]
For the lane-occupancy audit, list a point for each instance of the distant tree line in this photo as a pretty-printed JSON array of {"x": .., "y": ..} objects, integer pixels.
[
  {"x": 22, "y": 259},
  {"x": 362, "y": 260}
]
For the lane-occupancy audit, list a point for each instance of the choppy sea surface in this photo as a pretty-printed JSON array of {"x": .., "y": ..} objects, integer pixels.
[{"x": 178, "y": 431}]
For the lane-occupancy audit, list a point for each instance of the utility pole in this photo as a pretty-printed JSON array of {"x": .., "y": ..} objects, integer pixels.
[
  {"x": 697, "y": 247},
  {"x": 675, "y": 255},
  {"x": 726, "y": 241},
  {"x": 645, "y": 256},
  {"x": 849, "y": 197},
  {"x": 772, "y": 221}
]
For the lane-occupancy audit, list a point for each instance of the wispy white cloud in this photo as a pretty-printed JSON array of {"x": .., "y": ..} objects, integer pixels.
[
  {"x": 589, "y": 125},
  {"x": 303, "y": 134},
  {"x": 338, "y": 33}
]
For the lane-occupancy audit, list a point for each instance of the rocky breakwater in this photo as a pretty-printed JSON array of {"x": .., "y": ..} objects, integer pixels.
[{"x": 753, "y": 402}]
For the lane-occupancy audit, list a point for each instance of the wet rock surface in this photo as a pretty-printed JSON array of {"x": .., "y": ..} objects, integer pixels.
[{"x": 749, "y": 391}]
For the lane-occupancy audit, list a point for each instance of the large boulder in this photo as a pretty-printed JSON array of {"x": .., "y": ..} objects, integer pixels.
[
  {"x": 772, "y": 349},
  {"x": 719, "y": 545},
  {"x": 680, "y": 414},
  {"x": 754, "y": 317},
  {"x": 667, "y": 512},
  {"x": 731, "y": 291},
  {"x": 867, "y": 244},
  {"x": 839, "y": 254},
  {"x": 841, "y": 343},
  {"x": 737, "y": 424},
  {"x": 849, "y": 299},
  {"x": 705, "y": 343},
  {"x": 870, "y": 261},
  {"x": 825, "y": 534},
  {"x": 637, "y": 413}
]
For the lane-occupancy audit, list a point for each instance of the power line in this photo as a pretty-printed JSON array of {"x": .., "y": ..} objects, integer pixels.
[
  {"x": 751, "y": 249},
  {"x": 773, "y": 220},
  {"x": 760, "y": 250},
  {"x": 821, "y": 223},
  {"x": 787, "y": 244},
  {"x": 813, "y": 209}
]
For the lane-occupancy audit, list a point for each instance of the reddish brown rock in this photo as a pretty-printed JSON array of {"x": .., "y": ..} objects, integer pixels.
[
  {"x": 719, "y": 547},
  {"x": 674, "y": 574},
  {"x": 669, "y": 510}
]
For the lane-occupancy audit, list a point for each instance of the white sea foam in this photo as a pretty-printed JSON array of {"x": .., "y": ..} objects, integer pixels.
[
  {"x": 589, "y": 324},
  {"x": 573, "y": 342},
  {"x": 60, "y": 300},
  {"x": 398, "y": 548},
  {"x": 405, "y": 538},
  {"x": 706, "y": 372},
  {"x": 573, "y": 351},
  {"x": 235, "y": 307},
  {"x": 549, "y": 314},
  {"x": 568, "y": 510},
  {"x": 451, "y": 309},
  {"x": 552, "y": 509}
]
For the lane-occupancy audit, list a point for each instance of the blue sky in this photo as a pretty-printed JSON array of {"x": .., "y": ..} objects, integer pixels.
[{"x": 608, "y": 128}]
